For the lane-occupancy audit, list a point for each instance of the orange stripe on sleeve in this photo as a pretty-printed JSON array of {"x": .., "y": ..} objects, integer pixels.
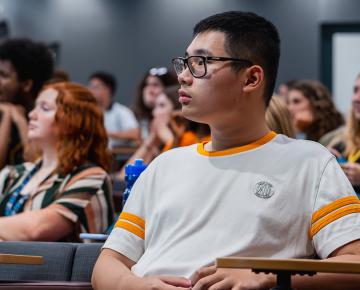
[
  {"x": 130, "y": 228},
  {"x": 334, "y": 206},
  {"x": 332, "y": 217},
  {"x": 133, "y": 218}
]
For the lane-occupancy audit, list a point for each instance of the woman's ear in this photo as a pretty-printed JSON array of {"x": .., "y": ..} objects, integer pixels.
[{"x": 254, "y": 79}]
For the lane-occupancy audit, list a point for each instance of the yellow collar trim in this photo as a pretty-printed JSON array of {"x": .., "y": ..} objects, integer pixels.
[{"x": 268, "y": 137}]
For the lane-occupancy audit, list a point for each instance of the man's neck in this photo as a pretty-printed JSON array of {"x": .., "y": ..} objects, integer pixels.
[{"x": 236, "y": 136}]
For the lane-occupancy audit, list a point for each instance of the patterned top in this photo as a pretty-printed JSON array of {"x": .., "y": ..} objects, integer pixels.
[{"x": 85, "y": 192}]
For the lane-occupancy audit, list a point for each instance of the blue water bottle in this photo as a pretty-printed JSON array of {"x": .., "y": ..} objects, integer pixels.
[{"x": 132, "y": 172}]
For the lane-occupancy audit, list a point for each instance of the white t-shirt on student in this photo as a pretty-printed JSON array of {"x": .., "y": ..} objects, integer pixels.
[
  {"x": 277, "y": 197},
  {"x": 119, "y": 118}
]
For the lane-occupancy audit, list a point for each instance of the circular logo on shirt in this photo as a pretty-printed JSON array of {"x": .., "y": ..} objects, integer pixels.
[{"x": 264, "y": 189}]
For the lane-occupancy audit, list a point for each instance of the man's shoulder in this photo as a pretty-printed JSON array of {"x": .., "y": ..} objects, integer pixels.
[
  {"x": 301, "y": 148},
  {"x": 178, "y": 153}
]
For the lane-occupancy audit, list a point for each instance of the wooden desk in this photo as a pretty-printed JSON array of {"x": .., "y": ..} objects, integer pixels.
[
  {"x": 21, "y": 259},
  {"x": 284, "y": 268}
]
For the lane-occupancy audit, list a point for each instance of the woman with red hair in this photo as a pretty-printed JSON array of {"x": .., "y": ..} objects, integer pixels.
[{"x": 67, "y": 190}]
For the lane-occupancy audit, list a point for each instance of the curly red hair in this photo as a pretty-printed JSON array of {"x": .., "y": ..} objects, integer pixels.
[{"x": 80, "y": 123}]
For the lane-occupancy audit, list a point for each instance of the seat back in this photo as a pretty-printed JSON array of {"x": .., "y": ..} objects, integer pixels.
[{"x": 57, "y": 266}]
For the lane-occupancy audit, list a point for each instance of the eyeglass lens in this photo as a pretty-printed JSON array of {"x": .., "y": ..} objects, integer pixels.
[{"x": 196, "y": 65}]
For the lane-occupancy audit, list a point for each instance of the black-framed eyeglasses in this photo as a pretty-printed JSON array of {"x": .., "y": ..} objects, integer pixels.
[{"x": 197, "y": 63}]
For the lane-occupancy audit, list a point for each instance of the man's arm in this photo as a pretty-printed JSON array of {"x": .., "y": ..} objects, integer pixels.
[
  {"x": 208, "y": 277},
  {"x": 346, "y": 253},
  {"x": 112, "y": 272}
]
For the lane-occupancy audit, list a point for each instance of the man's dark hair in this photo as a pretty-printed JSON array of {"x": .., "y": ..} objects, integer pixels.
[
  {"x": 107, "y": 78},
  {"x": 31, "y": 61},
  {"x": 248, "y": 36}
]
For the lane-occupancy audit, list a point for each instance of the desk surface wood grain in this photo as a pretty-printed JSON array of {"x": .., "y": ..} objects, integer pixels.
[{"x": 296, "y": 265}]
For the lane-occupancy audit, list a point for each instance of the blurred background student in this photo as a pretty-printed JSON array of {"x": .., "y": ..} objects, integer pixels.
[
  {"x": 24, "y": 68},
  {"x": 152, "y": 84},
  {"x": 120, "y": 122},
  {"x": 169, "y": 129},
  {"x": 347, "y": 144},
  {"x": 278, "y": 117},
  {"x": 67, "y": 190},
  {"x": 312, "y": 109}
]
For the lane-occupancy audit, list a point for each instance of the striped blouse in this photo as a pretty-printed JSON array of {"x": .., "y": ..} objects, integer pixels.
[{"x": 85, "y": 193}]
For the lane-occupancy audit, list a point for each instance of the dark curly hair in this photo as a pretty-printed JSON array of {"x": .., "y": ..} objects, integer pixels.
[
  {"x": 31, "y": 61},
  {"x": 326, "y": 116}
]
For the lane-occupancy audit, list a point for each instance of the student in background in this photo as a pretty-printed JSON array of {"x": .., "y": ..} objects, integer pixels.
[
  {"x": 120, "y": 121},
  {"x": 346, "y": 146},
  {"x": 67, "y": 190},
  {"x": 313, "y": 111},
  {"x": 278, "y": 117},
  {"x": 283, "y": 89},
  {"x": 24, "y": 68},
  {"x": 152, "y": 84},
  {"x": 169, "y": 129}
]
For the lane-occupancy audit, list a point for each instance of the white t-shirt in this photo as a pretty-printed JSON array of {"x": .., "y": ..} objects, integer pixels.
[
  {"x": 119, "y": 118},
  {"x": 277, "y": 197}
]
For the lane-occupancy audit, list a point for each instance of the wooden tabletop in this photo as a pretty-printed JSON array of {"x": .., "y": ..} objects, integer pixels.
[
  {"x": 20, "y": 259},
  {"x": 300, "y": 265}
]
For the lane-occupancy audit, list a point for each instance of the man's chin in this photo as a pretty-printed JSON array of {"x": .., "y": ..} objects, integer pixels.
[{"x": 191, "y": 114}]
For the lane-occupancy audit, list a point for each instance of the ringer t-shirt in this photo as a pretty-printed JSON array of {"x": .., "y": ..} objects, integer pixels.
[{"x": 277, "y": 197}]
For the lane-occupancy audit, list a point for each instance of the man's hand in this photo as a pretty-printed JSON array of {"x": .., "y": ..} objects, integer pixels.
[
  {"x": 166, "y": 283},
  {"x": 210, "y": 278},
  {"x": 352, "y": 171}
]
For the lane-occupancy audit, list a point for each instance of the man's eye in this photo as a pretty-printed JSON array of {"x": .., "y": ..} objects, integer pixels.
[{"x": 197, "y": 62}]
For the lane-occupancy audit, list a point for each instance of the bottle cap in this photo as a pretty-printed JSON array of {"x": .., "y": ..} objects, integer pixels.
[
  {"x": 136, "y": 168},
  {"x": 341, "y": 159}
]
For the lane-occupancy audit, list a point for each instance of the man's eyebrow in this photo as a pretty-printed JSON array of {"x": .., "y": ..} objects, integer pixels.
[{"x": 200, "y": 51}]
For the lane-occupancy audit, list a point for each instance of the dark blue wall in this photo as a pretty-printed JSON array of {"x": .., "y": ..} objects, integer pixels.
[{"x": 127, "y": 37}]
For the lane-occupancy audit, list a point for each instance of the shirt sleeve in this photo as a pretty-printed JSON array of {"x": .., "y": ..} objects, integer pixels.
[
  {"x": 336, "y": 214},
  {"x": 87, "y": 199},
  {"x": 128, "y": 235}
]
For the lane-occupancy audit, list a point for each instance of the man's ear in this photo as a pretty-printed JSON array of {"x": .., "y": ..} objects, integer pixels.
[
  {"x": 254, "y": 78},
  {"x": 27, "y": 86}
]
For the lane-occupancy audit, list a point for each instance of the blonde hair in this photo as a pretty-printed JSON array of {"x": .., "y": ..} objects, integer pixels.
[
  {"x": 352, "y": 135},
  {"x": 278, "y": 117}
]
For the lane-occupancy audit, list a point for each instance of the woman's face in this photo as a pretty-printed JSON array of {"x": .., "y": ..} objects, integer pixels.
[
  {"x": 163, "y": 107},
  {"x": 300, "y": 109},
  {"x": 152, "y": 90},
  {"x": 42, "y": 118},
  {"x": 356, "y": 99}
]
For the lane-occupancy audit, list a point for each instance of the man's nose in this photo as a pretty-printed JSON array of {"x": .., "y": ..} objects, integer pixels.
[{"x": 185, "y": 77}]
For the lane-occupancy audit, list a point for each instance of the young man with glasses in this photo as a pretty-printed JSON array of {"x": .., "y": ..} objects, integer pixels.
[{"x": 238, "y": 194}]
